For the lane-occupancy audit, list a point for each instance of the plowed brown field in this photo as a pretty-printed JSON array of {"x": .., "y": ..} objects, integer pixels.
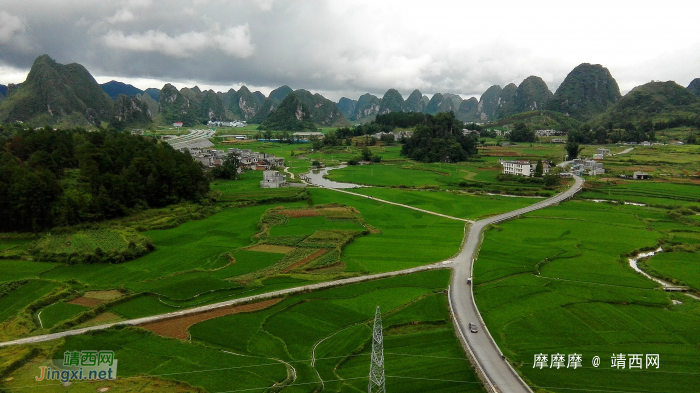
[{"x": 177, "y": 327}]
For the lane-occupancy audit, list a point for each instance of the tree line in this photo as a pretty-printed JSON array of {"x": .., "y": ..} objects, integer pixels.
[{"x": 54, "y": 178}]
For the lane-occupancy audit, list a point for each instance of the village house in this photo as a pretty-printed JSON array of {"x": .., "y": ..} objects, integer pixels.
[
  {"x": 593, "y": 167},
  {"x": 523, "y": 167},
  {"x": 273, "y": 179}
]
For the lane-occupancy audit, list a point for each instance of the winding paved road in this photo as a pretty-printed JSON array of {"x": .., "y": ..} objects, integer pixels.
[{"x": 496, "y": 373}]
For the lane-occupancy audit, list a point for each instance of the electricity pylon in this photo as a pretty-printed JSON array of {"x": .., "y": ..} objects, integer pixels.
[{"x": 376, "y": 369}]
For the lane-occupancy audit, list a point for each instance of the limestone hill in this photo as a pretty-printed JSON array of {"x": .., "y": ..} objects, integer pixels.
[
  {"x": 587, "y": 91},
  {"x": 56, "y": 93}
]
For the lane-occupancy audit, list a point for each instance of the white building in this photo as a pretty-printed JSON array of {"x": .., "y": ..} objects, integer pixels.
[
  {"x": 604, "y": 152},
  {"x": 523, "y": 167},
  {"x": 517, "y": 167},
  {"x": 273, "y": 179}
]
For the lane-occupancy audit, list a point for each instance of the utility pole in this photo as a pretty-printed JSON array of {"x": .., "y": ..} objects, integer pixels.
[{"x": 376, "y": 370}]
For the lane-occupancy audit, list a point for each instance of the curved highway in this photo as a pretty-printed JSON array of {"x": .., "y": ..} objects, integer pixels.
[{"x": 496, "y": 373}]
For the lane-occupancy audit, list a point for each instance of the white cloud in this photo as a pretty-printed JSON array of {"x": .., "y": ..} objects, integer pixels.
[
  {"x": 233, "y": 41},
  {"x": 123, "y": 15},
  {"x": 10, "y": 25},
  {"x": 265, "y": 5}
]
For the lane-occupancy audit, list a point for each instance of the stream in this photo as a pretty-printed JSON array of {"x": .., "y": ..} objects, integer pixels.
[
  {"x": 316, "y": 177},
  {"x": 664, "y": 283}
]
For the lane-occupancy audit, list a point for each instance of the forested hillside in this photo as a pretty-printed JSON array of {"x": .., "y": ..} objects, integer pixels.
[{"x": 63, "y": 177}]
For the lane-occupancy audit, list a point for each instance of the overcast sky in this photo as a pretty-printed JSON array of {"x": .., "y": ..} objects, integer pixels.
[{"x": 347, "y": 48}]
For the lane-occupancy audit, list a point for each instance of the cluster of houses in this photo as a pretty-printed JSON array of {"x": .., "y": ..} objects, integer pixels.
[
  {"x": 549, "y": 133},
  {"x": 247, "y": 159},
  {"x": 398, "y": 135},
  {"x": 237, "y": 123}
]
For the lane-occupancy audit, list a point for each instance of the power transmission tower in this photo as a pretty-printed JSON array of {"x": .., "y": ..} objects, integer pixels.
[{"x": 376, "y": 370}]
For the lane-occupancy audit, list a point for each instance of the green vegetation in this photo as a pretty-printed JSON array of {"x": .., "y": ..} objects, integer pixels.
[
  {"x": 291, "y": 115},
  {"x": 557, "y": 281},
  {"x": 23, "y": 294},
  {"x": 648, "y": 192},
  {"x": 325, "y": 335},
  {"x": 91, "y": 246},
  {"x": 587, "y": 91},
  {"x": 681, "y": 267},
  {"x": 406, "y": 238},
  {"x": 71, "y": 93},
  {"x": 660, "y": 104},
  {"x": 58, "y": 312},
  {"x": 455, "y": 204},
  {"x": 439, "y": 139},
  {"x": 538, "y": 120},
  {"x": 531, "y": 94},
  {"x": 56, "y": 178}
]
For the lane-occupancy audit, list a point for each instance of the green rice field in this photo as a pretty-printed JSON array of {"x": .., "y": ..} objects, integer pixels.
[
  {"x": 556, "y": 281},
  {"x": 58, "y": 312},
  {"x": 325, "y": 335}
]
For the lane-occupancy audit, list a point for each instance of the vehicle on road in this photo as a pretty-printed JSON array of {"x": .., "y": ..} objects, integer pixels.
[
  {"x": 469, "y": 280},
  {"x": 473, "y": 328}
]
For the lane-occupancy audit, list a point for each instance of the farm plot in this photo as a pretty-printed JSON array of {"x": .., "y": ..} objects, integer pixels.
[
  {"x": 649, "y": 192},
  {"x": 16, "y": 300},
  {"x": 326, "y": 335},
  {"x": 450, "y": 203},
  {"x": 143, "y": 353},
  {"x": 177, "y": 327},
  {"x": 681, "y": 266},
  {"x": 192, "y": 245},
  {"x": 561, "y": 284},
  {"x": 12, "y": 270},
  {"x": 404, "y": 238},
  {"x": 59, "y": 312}
]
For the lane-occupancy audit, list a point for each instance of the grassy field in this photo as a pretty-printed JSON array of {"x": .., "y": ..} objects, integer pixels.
[
  {"x": 659, "y": 161},
  {"x": 11, "y": 270},
  {"x": 682, "y": 266},
  {"x": 58, "y": 312},
  {"x": 408, "y": 238},
  {"x": 323, "y": 335},
  {"x": 21, "y": 297},
  {"x": 555, "y": 281},
  {"x": 648, "y": 192},
  {"x": 332, "y": 328}
]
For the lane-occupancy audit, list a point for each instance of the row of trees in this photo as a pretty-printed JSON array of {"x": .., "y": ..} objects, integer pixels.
[{"x": 63, "y": 177}]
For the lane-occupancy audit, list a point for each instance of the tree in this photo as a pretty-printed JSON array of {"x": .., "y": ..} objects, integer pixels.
[
  {"x": 539, "y": 169},
  {"x": 573, "y": 149},
  {"x": 521, "y": 133},
  {"x": 440, "y": 139},
  {"x": 366, "y": 154},
  {"x": 691, "y": 139},
  {"x": 228, "y": 169}
]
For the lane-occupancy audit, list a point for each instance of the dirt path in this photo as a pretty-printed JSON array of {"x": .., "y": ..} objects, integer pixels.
[{"x": 400, "y": 204}]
